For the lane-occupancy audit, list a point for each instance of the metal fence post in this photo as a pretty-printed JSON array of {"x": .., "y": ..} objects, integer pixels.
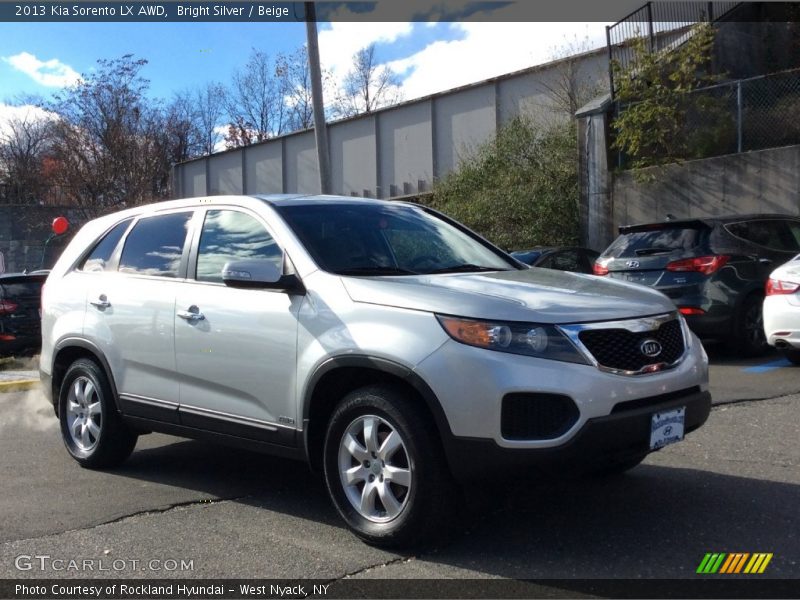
[
  {"x": 739, "y": 116},
  {"x": 650, "y": 27}
]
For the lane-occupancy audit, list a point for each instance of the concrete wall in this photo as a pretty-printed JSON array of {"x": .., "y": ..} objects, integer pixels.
[
  {"x": 765, "y": 181},
  {"x": 393, "y": 152}
]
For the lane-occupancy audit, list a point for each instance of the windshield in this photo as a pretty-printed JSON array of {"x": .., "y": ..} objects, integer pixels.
[
  {"x": 652, "y": 242},
  {"x": 376, "y": 239}
]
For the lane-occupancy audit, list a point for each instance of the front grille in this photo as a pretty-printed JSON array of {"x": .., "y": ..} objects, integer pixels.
[
  {"x": 621, "y": 349},
  {"x": 537, "y": 416}
]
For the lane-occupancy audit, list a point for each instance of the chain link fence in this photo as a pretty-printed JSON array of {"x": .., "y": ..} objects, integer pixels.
[{"x": 737, "y": 116}]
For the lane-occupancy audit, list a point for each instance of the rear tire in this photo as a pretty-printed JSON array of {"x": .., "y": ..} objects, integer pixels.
[
  {"x": 749, "y": 338},
  {"x": 91, "y": 427},
  {"x": 385, "y": 468},
  {"x": 793, "y": 356}
]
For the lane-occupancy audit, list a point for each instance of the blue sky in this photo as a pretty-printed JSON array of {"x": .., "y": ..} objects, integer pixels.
[{"x": 40, "y": 58}]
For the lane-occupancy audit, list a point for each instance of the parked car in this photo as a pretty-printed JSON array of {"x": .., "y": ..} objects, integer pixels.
[
  {"x": 713, "y": 269},
  {"x": 390, "y": 347},
  {"x": 20, "y": 325},
  {"x": 561, "y": 258},
  {"x": 782, "y": 309}
]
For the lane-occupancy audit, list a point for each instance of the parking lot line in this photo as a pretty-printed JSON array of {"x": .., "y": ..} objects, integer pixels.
[{"x": 767, "y": 367}]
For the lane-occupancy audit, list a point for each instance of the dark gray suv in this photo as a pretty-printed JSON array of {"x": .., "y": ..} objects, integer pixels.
[{"x": 714, "y": 269}]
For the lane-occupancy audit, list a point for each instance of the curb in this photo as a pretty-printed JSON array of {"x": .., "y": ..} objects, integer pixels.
[{"x": 20, "y": 385}]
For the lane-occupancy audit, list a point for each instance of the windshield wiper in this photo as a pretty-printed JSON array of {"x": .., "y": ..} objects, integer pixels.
[
  {"x": 652, "y": 251},
  {"x": 464, "y": 268},
  {"x": 375, "y": 271}
]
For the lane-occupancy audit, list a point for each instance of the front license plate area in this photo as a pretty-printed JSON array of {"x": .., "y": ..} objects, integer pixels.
[{"x": 667, "y": 427}]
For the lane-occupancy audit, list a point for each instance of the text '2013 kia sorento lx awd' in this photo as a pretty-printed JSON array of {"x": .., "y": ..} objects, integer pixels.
[{"x": 393, "y": 349}]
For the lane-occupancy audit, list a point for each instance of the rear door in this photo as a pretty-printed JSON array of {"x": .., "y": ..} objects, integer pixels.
[
  {"x": 641, "y": 253},
  {"x": 130, "y": 311}
]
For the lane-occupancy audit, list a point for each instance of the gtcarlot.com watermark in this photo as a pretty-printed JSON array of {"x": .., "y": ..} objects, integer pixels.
[{"x": 44, "y": 563}]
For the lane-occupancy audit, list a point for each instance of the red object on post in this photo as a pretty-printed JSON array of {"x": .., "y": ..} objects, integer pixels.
[{"x": 60, "y": 225}]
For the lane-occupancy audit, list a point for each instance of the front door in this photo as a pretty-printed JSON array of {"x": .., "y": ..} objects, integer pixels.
[{"x": 236, "y": 348}]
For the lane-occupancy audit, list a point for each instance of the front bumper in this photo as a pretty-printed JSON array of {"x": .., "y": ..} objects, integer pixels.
[{"x": 600, "y": 441}]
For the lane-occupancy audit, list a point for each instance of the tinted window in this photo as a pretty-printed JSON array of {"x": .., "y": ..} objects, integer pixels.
[
  {"x": 565, "y": 261},
  {"x": 385, "y": 239},
  {"x": 774, "y": 234},
  {"x": 794, "y": 231},
  {"x": 231, "y": 235},
  {"x": 99, "y": 257},
  {"x": 655, "y": 241},
  {"x": 155, "y": 245}
]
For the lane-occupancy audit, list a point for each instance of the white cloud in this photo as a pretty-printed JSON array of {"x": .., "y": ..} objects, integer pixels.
[
  {"x": 27, "y": 112},
  {"x": 483, "y": 49},
  {"x": 49, "y": 73},
  {"x": 488, "y": 50}
]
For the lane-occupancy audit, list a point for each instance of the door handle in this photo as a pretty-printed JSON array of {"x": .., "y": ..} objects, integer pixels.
[
  {"x": 192, "y": 315},
  {"x": 101, "y": 302}
]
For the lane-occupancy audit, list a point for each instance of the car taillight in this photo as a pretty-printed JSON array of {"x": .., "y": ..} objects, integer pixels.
[
  {"x": 701, "y": 264},
  {"x": 7, "y": 307},
  {"x": 691, "y": 310},
  {"x": 775, "y": 287},
  {"x": 599, "y": 268}
]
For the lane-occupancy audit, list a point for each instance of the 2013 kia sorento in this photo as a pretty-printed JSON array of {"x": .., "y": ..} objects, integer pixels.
[{"x": 392, "y": 348}]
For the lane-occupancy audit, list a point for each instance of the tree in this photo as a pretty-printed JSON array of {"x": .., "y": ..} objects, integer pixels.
[
  {"x": 520, "y": 189},
  {"x": 572, "y": 85},
  {"x": 255, "y": 105},
  {"x": 367, "y": 86},
  {"x": 662, "y": 118},
  {"x": 294, "y": 75},
  {"x": 25, "y": 141},
  {"x": 110, "y": 142}
]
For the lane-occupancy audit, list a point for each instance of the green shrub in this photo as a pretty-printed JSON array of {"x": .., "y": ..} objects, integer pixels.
[{"x": 520, "y": 189}]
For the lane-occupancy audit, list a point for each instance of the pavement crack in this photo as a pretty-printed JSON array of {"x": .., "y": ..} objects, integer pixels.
[
  {"x": 716, "y": 405},
  {"x": 138, "y": 513},
  {"x": 394, "y": 561}
]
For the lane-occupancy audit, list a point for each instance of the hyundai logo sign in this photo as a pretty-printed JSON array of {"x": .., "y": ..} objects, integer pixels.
[
  {"x": 650, "y": 348},
  {"x": 632, "y": 264}
]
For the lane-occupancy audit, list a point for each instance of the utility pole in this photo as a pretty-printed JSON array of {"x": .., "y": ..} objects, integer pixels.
[{"x": 320, "y": 128}]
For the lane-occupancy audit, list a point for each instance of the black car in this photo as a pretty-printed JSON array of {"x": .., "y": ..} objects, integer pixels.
[
  {"x": 714, "y": 269},
  {"x": 562, "y": 258},
  {"x": 20, "y": 323}
]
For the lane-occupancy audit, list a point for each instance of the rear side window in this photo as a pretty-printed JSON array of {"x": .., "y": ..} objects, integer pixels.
[
  {"x": 101, "y": 254},
  {"x": 775, "y": 234},
  {"x": 155, "y": 245},
  {"x": 230, "y": 235},
  {"x": 654, "y": 241}
]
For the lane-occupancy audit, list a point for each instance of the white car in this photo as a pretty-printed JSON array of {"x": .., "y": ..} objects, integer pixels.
[{"x": 782, "y": 309}]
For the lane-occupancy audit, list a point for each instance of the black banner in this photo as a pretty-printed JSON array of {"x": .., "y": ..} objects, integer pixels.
[{"x": 209, "y": 589}]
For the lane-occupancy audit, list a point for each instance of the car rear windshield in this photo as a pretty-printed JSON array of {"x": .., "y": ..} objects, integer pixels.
[
  {"x": 20, "y": 290},
  {"x": 651, "y": 242}
]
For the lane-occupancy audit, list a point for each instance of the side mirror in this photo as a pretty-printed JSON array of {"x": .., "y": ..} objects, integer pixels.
[{"x": 260, "y": 274}]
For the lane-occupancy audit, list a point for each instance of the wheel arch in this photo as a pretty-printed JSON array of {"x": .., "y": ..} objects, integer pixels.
[
  {"x": 338, "y": 376},
  {"x": 69, "y": 350}
]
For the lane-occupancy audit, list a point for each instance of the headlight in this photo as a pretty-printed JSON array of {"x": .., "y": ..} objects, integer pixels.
[{"x": 530, "y": 339}]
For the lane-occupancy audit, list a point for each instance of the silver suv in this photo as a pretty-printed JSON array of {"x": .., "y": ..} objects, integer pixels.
[{"x": 390, "y": 347}]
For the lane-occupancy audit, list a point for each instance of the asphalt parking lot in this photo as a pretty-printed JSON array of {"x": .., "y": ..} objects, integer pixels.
[{"x": 732, "y": 486}]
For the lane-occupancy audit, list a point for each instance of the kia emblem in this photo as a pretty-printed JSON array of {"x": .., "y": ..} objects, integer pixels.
[{"x": 650, "y": 348}]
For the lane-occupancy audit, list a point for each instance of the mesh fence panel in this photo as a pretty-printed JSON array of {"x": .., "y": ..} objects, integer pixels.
[{"x": 750, "y": 114}]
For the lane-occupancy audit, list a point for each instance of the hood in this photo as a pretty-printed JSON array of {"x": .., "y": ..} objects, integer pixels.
[{"x": 535, "y": 295}]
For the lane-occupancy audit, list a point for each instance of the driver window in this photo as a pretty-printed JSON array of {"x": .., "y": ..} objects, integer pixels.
[{"x": 230, "y": 235}]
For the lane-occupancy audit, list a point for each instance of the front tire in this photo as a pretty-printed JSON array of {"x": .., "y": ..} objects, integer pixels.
[
  {"x": 385, "y": 469},
  {"x": 91, "y": 427}
]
